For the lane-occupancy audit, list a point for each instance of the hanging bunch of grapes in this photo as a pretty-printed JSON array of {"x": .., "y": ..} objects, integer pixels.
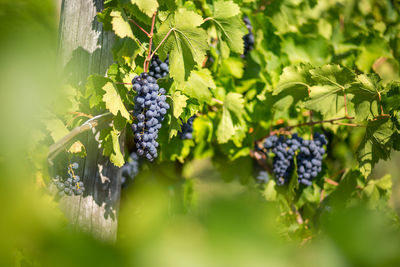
[
  {"x": 149, "y": 111},
  {"x": 70, "y": 185},
  {"x": 248, "y": 38},
  {"x": 187, "y": 129},
  {"x": 130, "y": 170},
  {"x": 308, "y": 155}
]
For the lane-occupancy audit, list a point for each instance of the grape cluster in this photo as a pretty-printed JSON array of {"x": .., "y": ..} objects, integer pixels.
[
  {"x": 149, "y": 111},
  {"x": 309, "y": 156},
  {"x": 187, "y": 128},
  {"x": 130, "y": 170},
  {"x": 248, "y": 38},
  {"x": 262, "y": 177},
  {"x": 158, "y": 69},
  {"x": 70, "y": 185},
  {"x": 284, "y": 151}
]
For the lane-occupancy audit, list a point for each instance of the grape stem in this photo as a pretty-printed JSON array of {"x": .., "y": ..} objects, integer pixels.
[
  {"x": 218, "y": 101},
  {"x": 261, "y": 160},
  {"x": 77, "y": 114},
  {"x": 54, "y": 149},
  {"x": 332, "y": 182},
  {"x": 147, "y": 61},
  {"x": 143, "y": 30},
  {"x": 162, "y": 41}
]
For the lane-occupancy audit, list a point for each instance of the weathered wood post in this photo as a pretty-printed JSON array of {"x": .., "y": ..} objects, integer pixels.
[{"x": 86, "y": 48}]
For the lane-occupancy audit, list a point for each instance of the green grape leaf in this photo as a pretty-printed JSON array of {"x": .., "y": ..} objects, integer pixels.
[
  {"x": 174, "y": 126},
  {"x": 328, "y": 96},
  {"x": 292, "y": 87},
  {"x": 332, "y": 75},
  {"x": 232, "y": 66},
  {"x": 110, "y": 142},
  {"x": 198, "y": 85},
  {"x": 125, "y": 51},
  {"x": 374, "y": 145},
  {"x": 344, "y": 191},
  {"x": 382, "y": 130},
  {"x": 293, "y": 78},
  {"x": 179, "y": 103},
  {"x": 113, "y": 101},
  {"x": 392, "y": 98},
  {"x": 203, "y": 133},
  {"x": 232, "y": 117},
  {"x": 93, "y": 90},
  {"x": 186, "y": 44},
  {"x": 77, "y": 148},
  {"x": 314, "y": 50},
  {"x": 384, "y": 183},
  {"x": 147, "y": 6},
  {"x": 365, "y": 99},
  {"x": 56, "y": 128},
  {"x": 370, "y": 51},
  {"x": 225, "y": 129},
  {"x": 326, "y": 99},
  {"x": 234, "y": 102},
  {"x": 173, "y": 147},
  {"x": 225, "y": 9},
  {"x": 230, "y": 26},
  {"x": 120, "y": 24}
]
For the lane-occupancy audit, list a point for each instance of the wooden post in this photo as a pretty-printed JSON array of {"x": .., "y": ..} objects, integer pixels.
[{"x": 86, "y": 49}]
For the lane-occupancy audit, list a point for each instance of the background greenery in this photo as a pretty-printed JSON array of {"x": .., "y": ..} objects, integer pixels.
[{"x": 204, "y": 215}]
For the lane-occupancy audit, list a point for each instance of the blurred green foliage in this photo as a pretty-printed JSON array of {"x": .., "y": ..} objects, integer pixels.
[{"x": 168, "y": 218}]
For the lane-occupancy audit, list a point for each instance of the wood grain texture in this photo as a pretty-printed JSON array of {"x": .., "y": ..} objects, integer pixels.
[{"x": 85, "y": 49}]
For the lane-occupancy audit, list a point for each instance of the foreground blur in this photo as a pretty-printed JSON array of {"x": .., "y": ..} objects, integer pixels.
[{"x": 161, "y": 222}]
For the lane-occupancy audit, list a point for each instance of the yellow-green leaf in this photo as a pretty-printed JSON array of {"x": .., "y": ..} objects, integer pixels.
[{"x": 113, "y": 101}]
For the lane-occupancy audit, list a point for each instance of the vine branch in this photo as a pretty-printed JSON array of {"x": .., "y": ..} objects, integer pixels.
[
  {"x": 217, "y": 101},
  {"x": 89, "y": 124},
  {"x": 317, "y": 122}
]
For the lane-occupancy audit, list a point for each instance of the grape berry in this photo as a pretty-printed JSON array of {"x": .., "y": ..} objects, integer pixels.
[
  {"x": 309, "y": 157},
  {"x": 149, "y": 111}
]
